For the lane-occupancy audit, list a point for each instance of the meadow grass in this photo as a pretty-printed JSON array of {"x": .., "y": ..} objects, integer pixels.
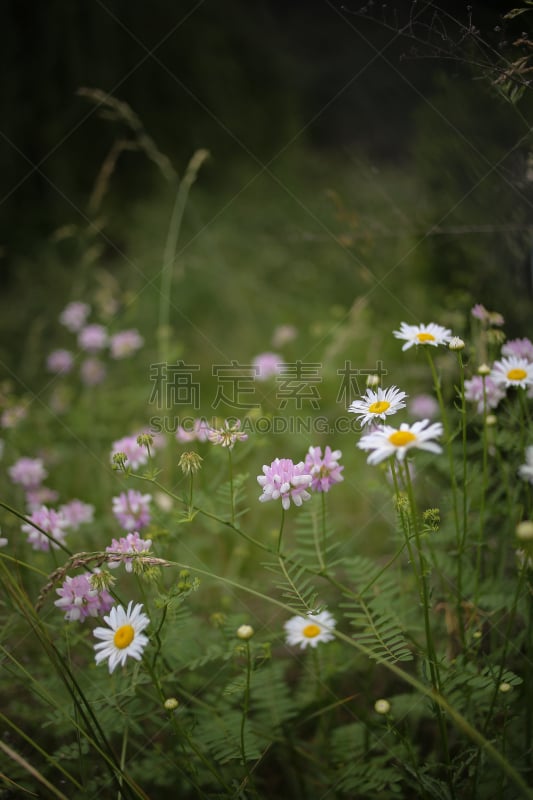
[{"x": 405, "y": 582}]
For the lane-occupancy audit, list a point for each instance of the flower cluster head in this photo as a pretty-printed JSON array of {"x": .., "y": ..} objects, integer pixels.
[
  {"x": 77, "y": 513},
  {"x": 287, "y": 480},
  {"x": 92, "y": 371},
  {"x": 123, "y": 637},
  {"x": 228, "y": 434},
  {"x": 60, "y": 362},
  {"x": 125, "y": 549},
  {"x": 324, "y": 470},
  {"x": 379, "y": 404},
  {"x": 198, "y": 433},
  {"x": 423, "y": 406},
  {"x": 135, "y": 455},
  {"x": 431, "y": 334},
  {"x": 512, "y": 371},
  {"x": 93, "y": 338},
  {"x": 132, "y": 510},
  {"x": 28, "y": 472},
  {"x": 52, "y": 522},
  {"x": 190, "y": 462},
  {"x": 490, "y": 317},
  {"x": 80, "y": 600},
  {"x": 12, "y": 416},
  {"x": 525, "y": 471},
  {"x": 310, "y": 630},
  {"x": 74, "y": 316},
  {"x": 490, "y": 395},
  {"x": 387, "y": 441},
  {"x": 266, "y": 365},
  {"x": 283, "y": 334},
  {"x": 125, "y": 343},
  {"x": 521, "y": 348}
]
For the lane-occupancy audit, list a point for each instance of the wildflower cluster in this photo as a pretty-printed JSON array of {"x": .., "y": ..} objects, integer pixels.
[{"x": 92, "y": 340}]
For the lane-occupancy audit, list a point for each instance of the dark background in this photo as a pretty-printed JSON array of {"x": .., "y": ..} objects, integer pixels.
[{"x": 242, "y": 79}]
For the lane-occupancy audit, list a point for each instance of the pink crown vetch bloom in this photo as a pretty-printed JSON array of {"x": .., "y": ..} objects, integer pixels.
[
  {"x": 60, "y": 362},
  {"x": 28, "y": 472},
  {"x": 74, "y": 316},
  {"x": 266, "y": 365},
  {"x": 125, "y": 343},
  {"x": 132, "y": 510},
  {"x": 324, "y": 470},
  {"x": 387, "y": 441},
  {"x": 228, "y": 434},
  {"x": 474, "y": 392},
  {"x": 136, "y": 456},
  {"x": 77, "y": 513},
  {"x": 79, "y": 600},
  {"x": 286, "y": 480},
  {"x": 93, "y": 338},
  {"x": 124, "y": 550},
  {"x": 522, "y": 348},
  {"x": 431, "y": 334},
  {"x": 50, "y": 521}
]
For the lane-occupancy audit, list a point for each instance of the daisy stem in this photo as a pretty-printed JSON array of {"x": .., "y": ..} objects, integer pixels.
[
  {"x": 405, "y": 523},
  {"x": 462, "y": 539},
  {"x": 281, "y": 530},
  {"x": 458, "y": 537},
  {"x": 430, "y": 646}
]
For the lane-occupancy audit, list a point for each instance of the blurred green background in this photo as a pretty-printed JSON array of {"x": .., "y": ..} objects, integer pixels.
[{"x": 358, "y": 154}]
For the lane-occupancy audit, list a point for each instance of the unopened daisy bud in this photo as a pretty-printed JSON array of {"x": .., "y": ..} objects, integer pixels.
[
  {"x": 524, "y": 531},
  {"x": 171, "y": 703},
  {"x": 382, "y": 706},
  {"x": 372, "y": 380},
  {"x": 504, "y": 687},
  {"x": 101, "y": 580},
  {"x": 145, "y": 440},
  {"x": 456, "y": 343},
  {"x": 491, "y": 420},
  {"x": 477, "y": 635},
  {"x": 119, "y": 460},
  {"x": 483, "y": 370},
  {"x": 190, "y": 462},
  {"x": 245, "y": 632}
]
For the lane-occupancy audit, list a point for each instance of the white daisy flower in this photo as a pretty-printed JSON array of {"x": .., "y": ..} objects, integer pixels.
[
  {"x": 378, "y": 405},
  {"x": 123, "y": 637},
  {"x": 432, "y": 334},
  {"x": 512, "y": 371},
  {"x": 310, "y": 630},
  {"x": 526, "y": 470},
  {"x": 387, "y": 441}
]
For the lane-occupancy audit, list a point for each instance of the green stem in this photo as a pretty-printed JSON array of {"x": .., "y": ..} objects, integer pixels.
[
  {"x": 483, "y": 495},
  {"x": 323, "y": 559},
  {"x": 232, "y": 496},
  {"x": 123, "y": 757},
  {"x": 171, "y": 244},
  {"x": 280, "y": 535},
  {"x": 430, "y": 646}
]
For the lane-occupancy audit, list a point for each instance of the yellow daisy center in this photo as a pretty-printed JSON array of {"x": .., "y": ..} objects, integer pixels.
[
  {"x": 425, "y": 337},
  {"x": 401, "y": 438},
  {"x": 311, "y": 630},
  {"x": 123, "y": 636},
  {"x": 378, "y": 407},
  {"x": 517, "y": 374}
]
